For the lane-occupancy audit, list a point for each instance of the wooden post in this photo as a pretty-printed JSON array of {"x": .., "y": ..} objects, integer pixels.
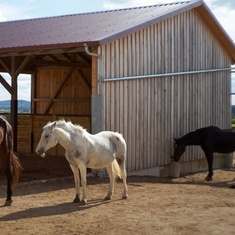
[
  {"x": 94, "y": 74},
  {"x": 14, "y": 102}
]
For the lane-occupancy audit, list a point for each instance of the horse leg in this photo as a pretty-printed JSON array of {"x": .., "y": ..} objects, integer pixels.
[
  {"x": 9, "y": 189},
  {"x": 112, "y": 179},
  {"x": 77, "y": 183},
  {"x": 82, "y": 168},
  {"x": 209, "y": 157},
  {"x": 123, "y": 173},
  {"x": 7, "y": 171}
]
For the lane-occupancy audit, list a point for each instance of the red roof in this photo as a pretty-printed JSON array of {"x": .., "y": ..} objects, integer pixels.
[{"x": 97, "y": 28}]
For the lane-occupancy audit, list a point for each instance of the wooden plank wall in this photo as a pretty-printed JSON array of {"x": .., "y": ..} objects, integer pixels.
[
  {"x": 150, "y": 112},
  {"x": 75, "y": 95}
]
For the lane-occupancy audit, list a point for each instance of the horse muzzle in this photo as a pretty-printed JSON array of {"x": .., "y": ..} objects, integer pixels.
[
  {"x": 40, "y": 152},
  {"x": 174, "y": 160}
]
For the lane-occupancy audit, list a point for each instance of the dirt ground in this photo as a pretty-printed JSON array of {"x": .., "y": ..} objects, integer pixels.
[{"x": 42, "y": 203}]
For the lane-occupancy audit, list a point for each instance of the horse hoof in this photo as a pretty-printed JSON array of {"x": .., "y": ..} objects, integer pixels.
[
  {"x": 8, "y": 203},
  {"x": 209, "y": 178},
  {"x": 124, "y": 197},
  {"x": 76, "y": 199},
  {"x": 107, "y": 198},
  {"x": 84, "y": 202}
]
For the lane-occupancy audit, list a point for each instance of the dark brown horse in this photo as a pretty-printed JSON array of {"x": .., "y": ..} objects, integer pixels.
[
  {"x": 11, "y": 163},
  {"x": 212, "y": 140}
]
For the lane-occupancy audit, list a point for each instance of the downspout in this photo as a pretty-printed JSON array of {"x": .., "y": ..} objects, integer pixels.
[
  {"x": 100, "y": 78},
  {"x": 97, "y": 105},
  {"x": 90, "y": 53}
]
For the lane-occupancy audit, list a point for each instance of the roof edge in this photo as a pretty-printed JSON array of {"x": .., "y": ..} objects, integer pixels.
[
  {"x": 164, "y": 16},
  {"x": 32, "y": 49},
  {"x": 202, "y": 8},
  {"x": 217, "y": 29}
]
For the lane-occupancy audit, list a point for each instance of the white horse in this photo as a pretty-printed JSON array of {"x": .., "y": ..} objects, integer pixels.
[{"x": 84, "y": 150}]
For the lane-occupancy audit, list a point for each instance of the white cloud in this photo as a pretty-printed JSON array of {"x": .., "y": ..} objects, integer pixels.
[
  {"x": 24, "y": 87},
  {"x": 29, "y": 1},
  {"x": 2, "y": 18},
  {"x": 116, "y": 4},
  {"x": 14, "y": 12},
  {"x": 224, "y": 11}
]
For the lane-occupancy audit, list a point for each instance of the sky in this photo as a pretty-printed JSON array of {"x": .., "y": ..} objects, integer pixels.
[{"x": 224, "y": 11}]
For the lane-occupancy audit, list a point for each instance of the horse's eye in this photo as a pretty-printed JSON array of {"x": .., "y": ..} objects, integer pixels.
[{"x": 46, "y": 136}]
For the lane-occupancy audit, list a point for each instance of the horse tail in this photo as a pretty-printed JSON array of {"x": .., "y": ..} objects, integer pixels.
[
  {"x": 116, "y": 169},
  {"x": 16, "y": 169}
]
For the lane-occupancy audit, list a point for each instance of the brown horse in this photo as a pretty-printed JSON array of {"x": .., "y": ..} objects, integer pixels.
[{"x": 11, "y": 164}]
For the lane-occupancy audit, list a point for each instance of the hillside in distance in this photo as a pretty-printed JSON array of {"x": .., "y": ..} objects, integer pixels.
[{"x": 23, "y": 106}]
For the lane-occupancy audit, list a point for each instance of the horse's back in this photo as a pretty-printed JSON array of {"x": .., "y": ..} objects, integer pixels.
[
  {"x": 111, "y": 135},
  {"x": 112, "y": 139},
  {"x": 220, "y": 140}
]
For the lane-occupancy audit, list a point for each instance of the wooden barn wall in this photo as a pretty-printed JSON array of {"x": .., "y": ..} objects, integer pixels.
[
  {"x": 150, "y": 112},
  {"x": 73, "y": 103},
  {"x": 74, "y": 97}
]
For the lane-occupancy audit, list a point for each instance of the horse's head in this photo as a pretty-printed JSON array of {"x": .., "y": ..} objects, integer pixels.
[
  {"x": 48, "y": 139},
  {"x": 179, "y": 149}
]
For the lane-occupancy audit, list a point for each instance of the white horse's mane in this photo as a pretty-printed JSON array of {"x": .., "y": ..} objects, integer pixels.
[{"x": 66, "y": 125}]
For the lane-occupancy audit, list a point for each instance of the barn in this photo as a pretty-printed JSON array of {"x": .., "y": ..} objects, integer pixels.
[{"x": 151, "y": 73}]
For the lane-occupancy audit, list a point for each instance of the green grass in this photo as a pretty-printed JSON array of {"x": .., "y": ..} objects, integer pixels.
[{"x": 233, "y": 122}]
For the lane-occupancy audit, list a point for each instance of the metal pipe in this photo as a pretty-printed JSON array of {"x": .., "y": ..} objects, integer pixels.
[
  {"x": 165, "y": 74},
  {"x": 90, "y": 53}
]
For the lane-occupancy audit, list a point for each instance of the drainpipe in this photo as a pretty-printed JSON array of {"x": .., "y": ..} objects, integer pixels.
[
  {"x": 90, "y": 53},
  {"x": 100, "y": 77},
  {"x": 97, "y": 105}
]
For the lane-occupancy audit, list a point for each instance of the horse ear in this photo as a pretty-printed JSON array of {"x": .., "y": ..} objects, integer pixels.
[
  {"x": 175, "y": 139},
  {"x": 53, "y": 125}
]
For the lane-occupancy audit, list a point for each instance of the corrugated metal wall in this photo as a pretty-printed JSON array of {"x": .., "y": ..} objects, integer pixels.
[{"x": 150, "y": 112}]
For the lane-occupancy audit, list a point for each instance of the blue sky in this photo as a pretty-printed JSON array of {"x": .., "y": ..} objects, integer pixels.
[{"x": 224, "y": 10}]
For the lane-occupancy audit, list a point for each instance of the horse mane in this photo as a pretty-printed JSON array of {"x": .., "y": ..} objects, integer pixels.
[
  {"x": 195, "y": 137},
  {"x": 69, "y": 125}
]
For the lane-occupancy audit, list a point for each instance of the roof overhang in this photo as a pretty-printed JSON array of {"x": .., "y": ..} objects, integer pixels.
[{"x": 46, "y": 49}]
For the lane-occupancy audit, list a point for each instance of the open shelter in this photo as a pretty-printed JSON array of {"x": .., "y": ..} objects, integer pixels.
[{"x": 151, "y": 73}]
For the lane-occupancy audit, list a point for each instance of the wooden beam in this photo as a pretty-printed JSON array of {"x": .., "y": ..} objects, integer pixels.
[
  {"x": 53, "y": 57},
  {"x": 42, "y": 52},
  {"x": 22, "y": 65},
  {"x": 58, "y": 90},
  {"x": 5, "y": 66},
  {"x": 66, "y": 57},
  {"x": 5, "y": 84},
  {"x": 94, "y": 73},
  {"x": 84, "y": 78},
  {"x": 58, "y": 63},
  {"x": 14, "y": 102},
  {"x": 84, "y": 58},
  {"x": 63, "y": 100}
]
